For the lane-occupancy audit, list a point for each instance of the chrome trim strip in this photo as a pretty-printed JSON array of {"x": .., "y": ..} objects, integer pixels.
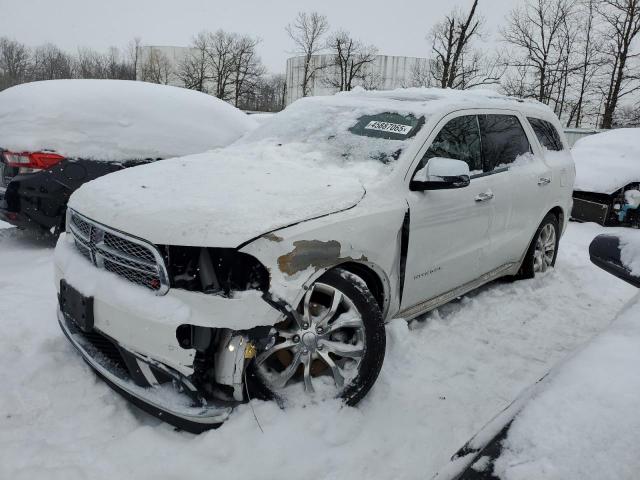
[
  {"x": 427, "y": 305},
  {"x": 207, "y": 414}
]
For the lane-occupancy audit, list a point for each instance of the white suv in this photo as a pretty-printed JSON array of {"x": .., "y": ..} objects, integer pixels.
[{"x": 271, "y": 266}]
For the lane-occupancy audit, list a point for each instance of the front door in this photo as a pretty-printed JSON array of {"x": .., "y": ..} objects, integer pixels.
[{"x": 449, "y": 229}]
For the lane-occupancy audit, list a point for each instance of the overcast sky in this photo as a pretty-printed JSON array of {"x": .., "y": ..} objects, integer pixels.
[{"x": 396, "y": 27}]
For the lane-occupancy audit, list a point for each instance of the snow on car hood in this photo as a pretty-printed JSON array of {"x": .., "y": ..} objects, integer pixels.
[
  {"x": 116, "y": 120},
  {"x": 607, "y": 161},
  {"x": 221, "y": 198}
]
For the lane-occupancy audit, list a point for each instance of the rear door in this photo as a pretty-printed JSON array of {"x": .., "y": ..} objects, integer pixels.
[{"x": 517, "y": 182}]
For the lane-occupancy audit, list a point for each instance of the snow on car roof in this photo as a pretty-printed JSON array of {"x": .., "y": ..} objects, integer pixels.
[
  {"x": 432, "y": 99},
  {"x": 115, "y": 119},
  {"x": 607, "y": 161}
]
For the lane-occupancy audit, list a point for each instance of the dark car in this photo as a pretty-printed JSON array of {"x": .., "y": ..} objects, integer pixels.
[{"x": 57, "y": 135}]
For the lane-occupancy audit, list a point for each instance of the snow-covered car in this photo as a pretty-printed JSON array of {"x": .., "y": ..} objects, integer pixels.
[
  {"x": 607, "y": 186},
  {"x": 56, "y": 135},
  {"x": 269, "y": 268}
]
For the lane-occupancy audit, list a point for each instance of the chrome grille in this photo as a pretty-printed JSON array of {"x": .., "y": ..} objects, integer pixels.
[{"x": 131, "y": 258}]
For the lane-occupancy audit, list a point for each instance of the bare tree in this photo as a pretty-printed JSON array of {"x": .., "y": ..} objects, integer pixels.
[
  {"x": 247, "y": 67},
  {"x": 622, "y": 19},
  {"x": 421, "y": 74},
  {"x": 451, "y": 38},
  {"x": 534, "y": 29},
  {"x": 156, "y": 68},
  {"x": 89, "y": 64},
  {"x": 14, "y": 62},
  {"x": 516, "y": 83},
  {"x": 49, "y": 63},
  {"x": 589, "y": 45},
  {"x": 221, "y": 52},
  {"x": 194, "y": 69},
  {"x": 266, "y": 95},
  {"x": 351, "y": 61},
  {"x": 307, "y": 32},
  {"x": 455, "y": 63},
  {"x": 133, "y": 52}
]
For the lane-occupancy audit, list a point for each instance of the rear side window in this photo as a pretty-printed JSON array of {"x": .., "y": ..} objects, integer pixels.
[
  {"x": 503, "y": 140},
  {"x": 459, "y": 139},
  {"x": 547, "y": 134}
]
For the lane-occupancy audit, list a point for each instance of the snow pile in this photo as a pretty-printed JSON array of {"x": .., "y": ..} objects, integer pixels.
[
  {"x": 436, "y": 98},
  {"x": 221, "y": 198},
  {"x": 115, "y": 119},
  {"x": 607, "y": 161},
  {"x": 443, "y": 378},
  {"x": 584, "y": 424}
]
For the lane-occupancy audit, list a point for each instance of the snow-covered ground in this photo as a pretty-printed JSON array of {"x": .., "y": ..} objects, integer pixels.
[{"x": 444, "y": 377}]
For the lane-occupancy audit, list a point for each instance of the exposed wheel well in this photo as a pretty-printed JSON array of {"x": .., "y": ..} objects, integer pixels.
[
  {"x": 557, "y": 211},
  {"x": 370, "y": 277}
]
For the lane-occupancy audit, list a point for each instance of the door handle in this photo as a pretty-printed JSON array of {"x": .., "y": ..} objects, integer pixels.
[
  {"x": 484, "y": 196},
  {"x": 542, "y": 181}
]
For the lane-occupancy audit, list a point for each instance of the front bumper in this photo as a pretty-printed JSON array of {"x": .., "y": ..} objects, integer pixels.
[
  {"x": 143, "y": 322},
  {"x": 178, "y": 406}
]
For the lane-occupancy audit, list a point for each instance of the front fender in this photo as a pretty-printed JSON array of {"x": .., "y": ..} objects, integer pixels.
[{"x": 297, "y": 256}]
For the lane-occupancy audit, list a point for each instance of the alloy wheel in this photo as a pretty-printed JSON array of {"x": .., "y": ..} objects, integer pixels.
[
  {"x": 324, "y": 337},
  {"x": 545, "y": 249}
]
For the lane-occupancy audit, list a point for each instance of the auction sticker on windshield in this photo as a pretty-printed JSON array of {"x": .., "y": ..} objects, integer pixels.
[{"x": 388, "y": 127}]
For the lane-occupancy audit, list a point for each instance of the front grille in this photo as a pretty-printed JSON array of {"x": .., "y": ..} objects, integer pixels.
[{"x": 131, "y": 258}]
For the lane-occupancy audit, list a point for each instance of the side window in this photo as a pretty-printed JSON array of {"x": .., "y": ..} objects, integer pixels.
[
  {"x": 459, "y": 139},
  {"x": 547, "y": 134},
  {"x": 503, "y": 140}
]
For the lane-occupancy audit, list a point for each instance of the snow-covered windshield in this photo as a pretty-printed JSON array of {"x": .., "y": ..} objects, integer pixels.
[{"x": 345, "y": 132}]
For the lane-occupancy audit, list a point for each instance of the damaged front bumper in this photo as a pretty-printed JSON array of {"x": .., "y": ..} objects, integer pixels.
[{"x": 150, "y": 385}]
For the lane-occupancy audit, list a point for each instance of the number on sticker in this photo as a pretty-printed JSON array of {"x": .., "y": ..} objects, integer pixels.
[{"x": 388, "y": 127}]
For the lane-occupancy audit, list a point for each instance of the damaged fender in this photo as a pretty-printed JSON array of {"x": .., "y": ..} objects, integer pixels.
[{"x": 297, "y": 256}]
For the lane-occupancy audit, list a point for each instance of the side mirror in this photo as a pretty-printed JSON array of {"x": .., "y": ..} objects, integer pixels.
[
  {"x": 604, "y": 252},
  {"x": 441, "y": 173}
]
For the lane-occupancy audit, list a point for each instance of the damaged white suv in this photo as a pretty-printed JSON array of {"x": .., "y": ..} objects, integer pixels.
[{"x": 269, "y": 268}]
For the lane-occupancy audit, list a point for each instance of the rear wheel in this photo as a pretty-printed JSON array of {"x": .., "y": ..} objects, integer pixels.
[
  {"x": 332, "y": 345},
  {"x": 542, "y": 253}
]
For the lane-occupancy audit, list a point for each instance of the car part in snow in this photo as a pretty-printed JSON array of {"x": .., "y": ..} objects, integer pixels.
[
  {"x": 150, "y": 385},
  {"x": 628, "y": 213},
  {"x": 605, "y": 252},
  {"x": 618, "y": 208},
  {"x": 543, "y": 250},
  {"x": 335, "y": 339},
  {"x": 229, "y": 361}
]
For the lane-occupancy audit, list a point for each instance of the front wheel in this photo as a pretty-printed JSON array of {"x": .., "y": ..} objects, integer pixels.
[
  {"x": 333, "y": 344},
  {"x": 543, "y": 250}
]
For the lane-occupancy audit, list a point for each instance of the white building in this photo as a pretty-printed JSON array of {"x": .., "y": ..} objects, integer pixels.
[{"x": 385, "y": 72}]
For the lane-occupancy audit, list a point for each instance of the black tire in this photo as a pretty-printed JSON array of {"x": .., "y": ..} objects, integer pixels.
[
  {"x": 527, "y": 269},
  {"x": 356, "y": 290}
]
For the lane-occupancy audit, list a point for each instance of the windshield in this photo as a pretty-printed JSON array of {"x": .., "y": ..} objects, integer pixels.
[{"x": 341, "y": 132}]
